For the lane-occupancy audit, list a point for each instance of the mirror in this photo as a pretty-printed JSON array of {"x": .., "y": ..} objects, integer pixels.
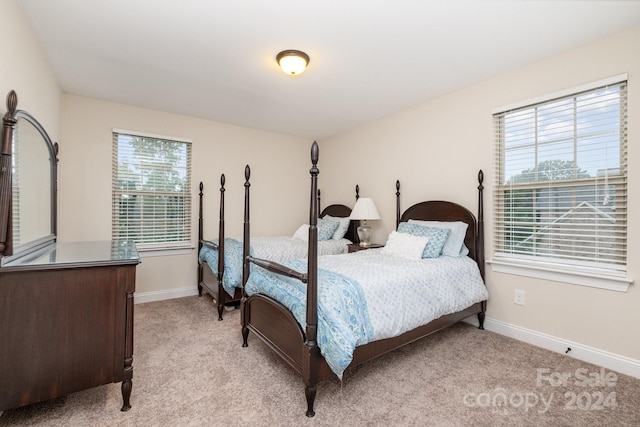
[{"x": 28, "y": 192}]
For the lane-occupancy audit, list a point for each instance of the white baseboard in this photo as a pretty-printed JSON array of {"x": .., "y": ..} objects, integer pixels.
[
  {"x": 152, "y": 296},
  {"x": 615, "y": 362}
]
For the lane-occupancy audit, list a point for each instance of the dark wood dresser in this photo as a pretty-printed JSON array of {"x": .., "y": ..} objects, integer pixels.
[{"x": 66, "y": 321}]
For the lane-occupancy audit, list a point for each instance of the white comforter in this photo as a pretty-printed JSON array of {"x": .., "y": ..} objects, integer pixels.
[
  {"x": 383, "y": 296},
  {"x": 403, "y": 294},
  {"x": 275, "y": 249}
]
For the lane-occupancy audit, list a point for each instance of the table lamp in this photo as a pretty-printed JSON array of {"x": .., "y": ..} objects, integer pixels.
[{"x": 364, "y": 210}]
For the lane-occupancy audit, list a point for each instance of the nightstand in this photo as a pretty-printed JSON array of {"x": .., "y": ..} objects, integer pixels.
[{"x": 355, "y": 247}]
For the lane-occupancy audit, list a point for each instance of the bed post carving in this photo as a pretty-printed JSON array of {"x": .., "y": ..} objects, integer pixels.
[
  {"x": 357, "y": 192},
  {"x": 245, "y": 253},
  {"x": 221, "y": 291},
  {"x": 312, "y": 351}
]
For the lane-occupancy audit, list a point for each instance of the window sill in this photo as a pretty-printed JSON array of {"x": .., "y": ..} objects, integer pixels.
[
  {"x": 614, "y": 283},
  {"x": 153, "y": 252}
]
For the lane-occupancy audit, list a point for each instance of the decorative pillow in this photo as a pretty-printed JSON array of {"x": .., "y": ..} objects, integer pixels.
[
  {"x": 343, "y": 226},
  {"x": 437, "y": 237},
  {"x": 455, "y": 243},
  {"x": 302, "y": 232},
  {"x": 326, "y": 228},
  {"x": 405, "y": 245}
]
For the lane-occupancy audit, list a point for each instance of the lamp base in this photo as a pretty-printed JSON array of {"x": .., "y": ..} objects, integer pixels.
[{"x": 364, "y": 234}]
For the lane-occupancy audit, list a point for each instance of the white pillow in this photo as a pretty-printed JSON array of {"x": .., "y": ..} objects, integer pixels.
[
  {"x": 302, "y": 233},
  {"x": 342, "y": 227},
  {"x": 454, "y": 246},
  {"x": 405, "y": 245}
]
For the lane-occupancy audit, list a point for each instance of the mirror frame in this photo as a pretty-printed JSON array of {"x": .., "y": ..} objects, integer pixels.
[{"x": 7, "y": 250}]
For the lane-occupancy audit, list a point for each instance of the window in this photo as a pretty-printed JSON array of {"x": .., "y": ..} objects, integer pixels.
[
  {"x": 151, "y": 190},
  {"x": 560, "y": 200}
]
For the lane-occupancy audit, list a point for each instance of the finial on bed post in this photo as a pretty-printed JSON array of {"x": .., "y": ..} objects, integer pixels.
[
  {"x": 309, "y": 365},
  {"x": 480, "y": 248},
  {"x": 397, "y": 203},
  {"x": 357, "y": 192}
]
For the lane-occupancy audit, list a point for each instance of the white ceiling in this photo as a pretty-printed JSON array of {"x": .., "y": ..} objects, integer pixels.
[{"x": 215, "y": 59}]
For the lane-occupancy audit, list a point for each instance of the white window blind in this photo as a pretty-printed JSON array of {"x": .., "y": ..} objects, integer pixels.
[
  {"x": 151, "y": 190},
  {"x": 561, "y": 181}
]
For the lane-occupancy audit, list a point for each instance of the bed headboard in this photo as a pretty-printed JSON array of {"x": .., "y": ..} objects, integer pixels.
[{"x": 439, "y": 210}]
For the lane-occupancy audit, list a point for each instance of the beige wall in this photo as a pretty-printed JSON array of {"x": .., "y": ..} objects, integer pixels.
[
  {"x": 279, "y": 172},
  {"x": 25, "y": 69},
  {"x": 436, "y": 149}
]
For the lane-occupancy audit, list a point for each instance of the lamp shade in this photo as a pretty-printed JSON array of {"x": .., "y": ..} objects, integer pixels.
[{"x": 364, "y": 209}]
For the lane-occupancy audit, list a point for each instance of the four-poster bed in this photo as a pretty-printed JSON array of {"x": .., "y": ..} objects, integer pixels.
[
  {"x": 292, "y": 329},
  {"x": 220, "y": 260}
]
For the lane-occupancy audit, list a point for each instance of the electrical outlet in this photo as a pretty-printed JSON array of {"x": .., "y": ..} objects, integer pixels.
[{"x": 518, "y": 296}]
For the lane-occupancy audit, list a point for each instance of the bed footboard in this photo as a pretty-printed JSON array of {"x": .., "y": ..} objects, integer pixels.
[{"x": 275, "y": 326}]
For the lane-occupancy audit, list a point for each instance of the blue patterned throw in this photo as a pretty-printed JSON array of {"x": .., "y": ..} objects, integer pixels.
[{"x": 343, "y": 318}]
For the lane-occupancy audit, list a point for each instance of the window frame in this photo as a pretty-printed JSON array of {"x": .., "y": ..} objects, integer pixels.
[
  {"x": 161, "y": 248},
  {"x": 567, "y": 271}
]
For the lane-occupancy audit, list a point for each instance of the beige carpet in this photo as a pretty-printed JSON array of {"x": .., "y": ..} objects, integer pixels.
[{"x": 190, "y": 369}]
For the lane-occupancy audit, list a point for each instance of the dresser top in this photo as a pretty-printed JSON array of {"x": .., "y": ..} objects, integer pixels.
[{"x": 79, "y": 254}]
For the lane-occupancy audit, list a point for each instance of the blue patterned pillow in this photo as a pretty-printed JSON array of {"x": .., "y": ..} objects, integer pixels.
[
  {"x": 437, "y": 237},
  {"x": 326, "y": 228}
]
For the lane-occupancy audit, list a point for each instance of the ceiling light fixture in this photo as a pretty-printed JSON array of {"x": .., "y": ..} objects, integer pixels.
[{"x": 292, "y": 62}]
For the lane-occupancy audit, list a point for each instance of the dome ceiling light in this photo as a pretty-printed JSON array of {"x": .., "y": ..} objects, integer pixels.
[{"x": 292, "y": 62}]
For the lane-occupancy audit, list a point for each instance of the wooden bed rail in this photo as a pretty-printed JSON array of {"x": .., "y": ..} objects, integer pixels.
[
  {"x": 274, "y": 267},
  {"x": 208, "y": 243}
]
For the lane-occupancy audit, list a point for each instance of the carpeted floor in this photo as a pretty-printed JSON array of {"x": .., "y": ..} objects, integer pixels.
[{"x": 190, "y": 370}]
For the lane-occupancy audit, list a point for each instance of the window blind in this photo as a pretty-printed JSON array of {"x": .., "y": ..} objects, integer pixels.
[
  {"x": 561, "y": 181},
  {"x": 151, "y": 191}
]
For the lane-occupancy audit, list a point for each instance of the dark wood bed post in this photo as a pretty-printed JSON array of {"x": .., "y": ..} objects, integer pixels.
[
  {"x": 480, "y": 242},
  {"x": 245, "y": 254},
  {"x": 221, "y": 291},
  {"x": 200, "y": 237},
  {"x": 311, "y": 357},
  {"x": 357, "y": 192},
  {"x": 397, "y": 203},
  {"x": 6, "y": 229}
]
